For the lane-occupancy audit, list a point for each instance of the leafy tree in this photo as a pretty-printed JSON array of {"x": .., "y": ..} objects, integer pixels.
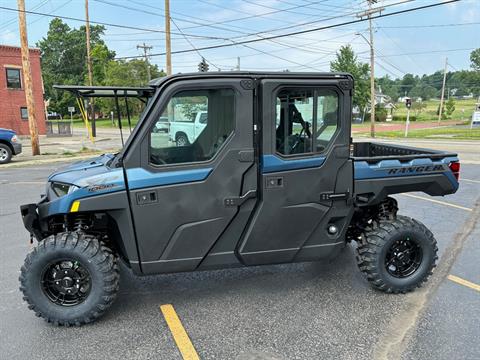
[
  {"x": 347, "y": 61},
  {"x": 63, "y": 52},
  {"x": 423, "y": 91},
  {"x": 388, "y": 87},
  {"x": 408, "y": 83},
  {"x": 130, "y": 73},
  {"x": 418, "y": 107},
  {"x": 450, "y": 107},
  {"x": 475, "y": 59}
]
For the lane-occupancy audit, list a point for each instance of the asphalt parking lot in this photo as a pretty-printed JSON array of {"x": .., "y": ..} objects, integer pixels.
[{"x": 294, "y": 311}]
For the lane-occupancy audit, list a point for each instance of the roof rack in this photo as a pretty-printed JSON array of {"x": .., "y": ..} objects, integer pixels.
[
  {"x": 108, "y": 91},
  {"x": 81, "y": 92}
]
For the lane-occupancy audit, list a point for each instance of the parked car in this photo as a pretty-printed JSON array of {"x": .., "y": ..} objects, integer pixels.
[
  {"x": 476, "y": 118},
  {"x": 248, "y": 191},
  {"x": 9, "y": 145},
  {"x": 54, "y": 116},
  {"x": 162, "y": 125},
  {"x": 185, "y": 132}
]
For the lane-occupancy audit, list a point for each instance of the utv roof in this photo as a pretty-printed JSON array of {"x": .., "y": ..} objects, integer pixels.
[
  {"x": 258, "y": 74},
  {"x": 108, "y": 91},
  {"x": 148, "y": 91}
]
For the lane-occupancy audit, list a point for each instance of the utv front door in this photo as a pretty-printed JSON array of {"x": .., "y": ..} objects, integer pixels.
[
  {"x": 193, "y": 200},
  {"x": 306, "y": 174}
]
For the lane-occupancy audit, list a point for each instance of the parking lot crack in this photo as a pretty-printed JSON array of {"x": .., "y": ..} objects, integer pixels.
[{"x": 402, "y": 326}]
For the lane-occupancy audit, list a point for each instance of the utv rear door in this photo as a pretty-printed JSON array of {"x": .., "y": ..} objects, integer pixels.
[
  {"x": 306, "y": 174},
  {"x": 193, "y": 200}
]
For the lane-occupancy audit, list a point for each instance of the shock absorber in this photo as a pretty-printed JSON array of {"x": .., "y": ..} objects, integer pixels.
[
  {"x": 387, "y": 209},
  {"x": 81, "y": 222}
]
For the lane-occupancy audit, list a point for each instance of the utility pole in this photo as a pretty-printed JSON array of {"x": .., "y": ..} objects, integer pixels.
[
  {"x": 442, "y": 96},
  {"x": 145, "y": 49},
  {"x": 168, "y": 45},
  {"x": 369, "y": 13},
  {"x": 238, "y": 63},
  {"x": 27, "y": 78},
  {"x": 89, "y": 67}
]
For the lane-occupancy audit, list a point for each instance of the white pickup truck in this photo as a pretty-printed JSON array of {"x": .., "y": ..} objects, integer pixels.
[{"x": 185, "y": 132}]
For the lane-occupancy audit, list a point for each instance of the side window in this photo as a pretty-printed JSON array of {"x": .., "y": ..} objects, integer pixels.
[
  {"x": 306, "y": 120},
  {"x": 193, "y": 126},
  {"x": 13, "y": 78}
]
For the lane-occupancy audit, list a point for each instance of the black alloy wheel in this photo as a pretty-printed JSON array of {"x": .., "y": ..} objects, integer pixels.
[
  {"x": 66, "y": 282},
  {"x": 403, "y": 258}
]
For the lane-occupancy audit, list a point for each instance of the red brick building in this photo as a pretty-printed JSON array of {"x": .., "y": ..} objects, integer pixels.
[{"x": 13, "y": 103}]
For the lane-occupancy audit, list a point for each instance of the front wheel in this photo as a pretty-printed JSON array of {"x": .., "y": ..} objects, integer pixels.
[
  {"x": 69, "y": 279},
  {"x": 397, "y": 255},
  {"x": 5, "y": 154}
]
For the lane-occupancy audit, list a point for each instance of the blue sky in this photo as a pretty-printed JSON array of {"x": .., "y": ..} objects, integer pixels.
[{"x": 405, "y": 43}]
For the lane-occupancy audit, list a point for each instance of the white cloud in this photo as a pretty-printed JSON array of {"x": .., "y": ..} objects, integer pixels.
[{"x": 8, "y": 37}]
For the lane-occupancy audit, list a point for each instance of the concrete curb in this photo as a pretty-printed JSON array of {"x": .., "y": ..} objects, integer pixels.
[{"x": 26, "y": 163}]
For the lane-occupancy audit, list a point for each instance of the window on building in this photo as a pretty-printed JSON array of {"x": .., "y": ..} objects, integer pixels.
[
  {"x": 306, "y": 120},
  {"x": 24, "y": 113},
  {"x": 200, "y": 122},
  {"x": 13, "y": 79}
]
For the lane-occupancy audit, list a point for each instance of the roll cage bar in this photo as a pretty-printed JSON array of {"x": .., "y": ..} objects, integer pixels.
[{"x": 86, "y": 92}]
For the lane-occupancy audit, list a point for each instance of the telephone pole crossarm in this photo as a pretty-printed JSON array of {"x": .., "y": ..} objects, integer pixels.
[{"x": 145, "y": 49}]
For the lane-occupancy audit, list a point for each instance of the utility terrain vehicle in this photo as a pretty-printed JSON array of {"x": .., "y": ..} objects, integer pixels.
[{"x": 273, "y": 177}]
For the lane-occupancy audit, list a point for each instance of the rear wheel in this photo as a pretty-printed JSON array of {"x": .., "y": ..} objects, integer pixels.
[
  {"x": 5, "y": 154},
  {"x": 70, "y": 279},
  {"x": 181, "y": 140},
  {"x": 397, "y": 255}
]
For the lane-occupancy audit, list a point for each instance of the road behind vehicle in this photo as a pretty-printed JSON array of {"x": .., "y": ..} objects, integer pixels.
[
  {"x": 261, "y": 183},
  {"x": 9, "y": 145}
]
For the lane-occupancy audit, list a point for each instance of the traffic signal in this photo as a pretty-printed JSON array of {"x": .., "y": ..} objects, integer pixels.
[
  {"x": 408, "y": 103},
  {"x": 203, "y": 66}
]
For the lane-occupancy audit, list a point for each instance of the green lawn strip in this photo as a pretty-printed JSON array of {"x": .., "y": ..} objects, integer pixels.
[{"x": 439, "y": 133}]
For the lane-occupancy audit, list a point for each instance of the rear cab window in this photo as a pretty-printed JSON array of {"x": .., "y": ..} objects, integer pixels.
[{"x": 306, "y": 120}]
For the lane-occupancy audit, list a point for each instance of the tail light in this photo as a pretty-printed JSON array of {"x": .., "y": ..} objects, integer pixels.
[{"x": 455, "y": 168}]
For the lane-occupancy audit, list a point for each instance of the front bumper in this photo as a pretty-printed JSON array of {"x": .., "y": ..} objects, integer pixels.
[
  {"x": 17, "y": 148},
  {"x": 31, "y": 220}
]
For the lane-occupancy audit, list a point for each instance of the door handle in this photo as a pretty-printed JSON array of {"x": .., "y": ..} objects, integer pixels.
[
  {"x": 239, "y": 200},
  {"x": 146, "y": 197}
]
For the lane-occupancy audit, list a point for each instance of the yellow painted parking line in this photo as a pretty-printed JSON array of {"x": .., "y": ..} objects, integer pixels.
[
  {"x": 178, "y": 332},
  {"x": 464, "y": 282},
  {"x": 470, "y": 180},
  {"x": 438, "y": 202}
]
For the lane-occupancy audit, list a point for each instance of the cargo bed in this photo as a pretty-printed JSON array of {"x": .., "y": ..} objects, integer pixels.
[
  {"x": 370, "y": 151},
  {"x": 385, "y": 169}
]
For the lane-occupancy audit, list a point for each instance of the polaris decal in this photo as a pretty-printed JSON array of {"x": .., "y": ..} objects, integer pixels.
[{"x": 100, "y": 187}]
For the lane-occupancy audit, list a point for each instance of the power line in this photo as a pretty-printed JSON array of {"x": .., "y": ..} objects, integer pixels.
[
  {"x": 193, "y": 46},
  {"x": 427, "y": 52},
  {"x": 428, "y": 26},
  {"x": 104, "y": 23},
  {"x": 235, "y": 43},
  {"x": 215, "y": 27},
  {"x": 354, "y": 13}
]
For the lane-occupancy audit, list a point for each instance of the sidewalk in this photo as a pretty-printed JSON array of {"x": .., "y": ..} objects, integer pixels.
[{"x": 54, "y": 149}]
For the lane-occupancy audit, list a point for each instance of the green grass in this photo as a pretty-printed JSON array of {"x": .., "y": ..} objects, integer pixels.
[
  {"x": 436, "y": 133},
  {"x": 430, "y": 112},
  {"x": 103, "y": 123}
]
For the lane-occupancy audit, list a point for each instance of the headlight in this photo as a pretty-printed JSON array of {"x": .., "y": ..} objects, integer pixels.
[
  {"x": 61, "y": 189},
  {"x": 14, "y": 139}
]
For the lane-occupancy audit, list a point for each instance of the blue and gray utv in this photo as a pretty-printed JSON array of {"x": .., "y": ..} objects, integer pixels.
[{"x": 269, "y": 175}]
